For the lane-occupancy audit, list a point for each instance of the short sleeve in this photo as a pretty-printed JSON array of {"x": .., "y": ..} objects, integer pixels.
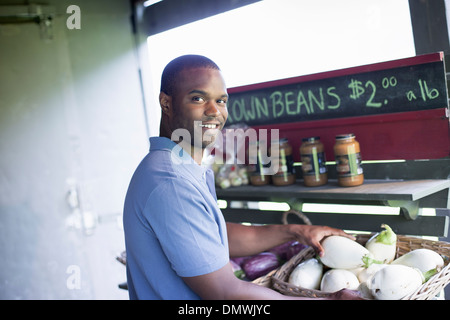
[{"x": 189, "y": 229}]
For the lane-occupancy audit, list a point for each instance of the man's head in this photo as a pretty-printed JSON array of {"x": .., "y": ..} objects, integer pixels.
[
  {"x": 194, "y": 98},
  {"x": 174, "y": 67}
]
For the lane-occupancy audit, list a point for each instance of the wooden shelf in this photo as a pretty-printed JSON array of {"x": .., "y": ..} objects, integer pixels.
[
  {"x": 380, "y": 190},
  {"x": 408, "y": 195}
]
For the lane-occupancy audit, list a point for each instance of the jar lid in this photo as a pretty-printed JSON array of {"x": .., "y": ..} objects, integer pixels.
[
  {"x": 344, "y": 136},
  {"x": 280, "y": 139},
  {"x": 310, "y": 139}
]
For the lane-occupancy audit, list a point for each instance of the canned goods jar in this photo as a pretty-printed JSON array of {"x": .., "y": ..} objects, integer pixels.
[
  {"x": 285, "y": 174},
  {"x": 348, "y": 161},
  {"x": 257, "y": 170},
  {"x": 314, "y": 169}
]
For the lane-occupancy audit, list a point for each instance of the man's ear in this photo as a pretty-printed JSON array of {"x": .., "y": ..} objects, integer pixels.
[{"x": 165, "y": 102}]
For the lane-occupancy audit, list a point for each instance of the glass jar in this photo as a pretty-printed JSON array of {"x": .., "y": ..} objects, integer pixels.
[
  {"x": 348, "y": 161},
  {"x": 314, "y": 169},
  {"x": 257, "y": 170},
  {"x": 285, "y": 174}
]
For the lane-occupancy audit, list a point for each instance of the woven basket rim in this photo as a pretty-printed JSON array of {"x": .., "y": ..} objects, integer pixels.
[{"x": 405, "y": 244}]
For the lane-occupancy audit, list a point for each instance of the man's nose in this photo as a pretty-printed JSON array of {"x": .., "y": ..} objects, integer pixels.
[{"x": 212, "y": 109}]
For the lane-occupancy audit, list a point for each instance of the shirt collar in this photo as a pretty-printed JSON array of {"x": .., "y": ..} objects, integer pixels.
[{"x": 161, "y": 143}]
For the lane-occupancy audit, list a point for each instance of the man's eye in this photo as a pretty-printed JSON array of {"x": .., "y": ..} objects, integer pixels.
[
  {"x": 222, "y": 101},
  {"x": 198, "y": 99}
]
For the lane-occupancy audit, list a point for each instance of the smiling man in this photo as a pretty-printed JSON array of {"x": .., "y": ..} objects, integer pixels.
[
  {"x": 193, "y": 99},
  {"x": 178, "y": 244}
]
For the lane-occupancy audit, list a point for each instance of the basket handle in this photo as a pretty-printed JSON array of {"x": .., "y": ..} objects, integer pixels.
[{"x": 298, "y": 214}]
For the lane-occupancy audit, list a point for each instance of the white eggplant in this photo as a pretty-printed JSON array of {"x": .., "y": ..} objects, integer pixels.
[
  {"x": 383, "y": 245},
  {"x": 356, "y": 271},
  {"x": 307, "y": 274},
  {"x": 365, "y": 291},
  {"x": 367, "y": 273},
  {"x": 336, "y": 279},
  {"x": 426, "y": 260},
  {"x": 393, "y": 282},
  {"x": 344, "y": 253}
]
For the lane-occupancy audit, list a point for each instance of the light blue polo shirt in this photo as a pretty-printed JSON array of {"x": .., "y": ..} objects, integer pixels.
[{"x": 173, "y": 226}]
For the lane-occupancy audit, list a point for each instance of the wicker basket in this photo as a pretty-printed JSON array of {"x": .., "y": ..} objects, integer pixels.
[
  {"x": 404, "y": 244},
  {"x": 265, "y": 281}
]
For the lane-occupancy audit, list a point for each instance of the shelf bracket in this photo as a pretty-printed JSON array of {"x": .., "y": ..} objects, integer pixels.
[{"x": 409, "y": 209}]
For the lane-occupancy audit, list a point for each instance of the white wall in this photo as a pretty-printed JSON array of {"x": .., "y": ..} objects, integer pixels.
[{"x": 70, "y": 109}]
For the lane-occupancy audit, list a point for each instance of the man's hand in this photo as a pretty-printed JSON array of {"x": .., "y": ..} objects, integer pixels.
[
  {"x": 249, "y": 240},
  {"x": 313, "y": 235}
]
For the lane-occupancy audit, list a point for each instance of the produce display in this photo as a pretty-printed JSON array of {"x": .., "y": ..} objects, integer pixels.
[
  {"x": 230, "y": 175},
  {"x": 370, "y": 268},
  {"x": 228, "y": 159}
]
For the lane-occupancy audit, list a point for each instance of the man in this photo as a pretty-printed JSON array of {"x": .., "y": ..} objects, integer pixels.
[{"x": 178, "y": 244}]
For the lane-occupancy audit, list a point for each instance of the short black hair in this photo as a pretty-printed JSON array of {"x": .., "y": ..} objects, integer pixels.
[{"x": 174, "y": 67}]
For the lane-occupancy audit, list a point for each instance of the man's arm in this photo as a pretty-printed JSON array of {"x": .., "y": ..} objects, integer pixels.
[
  {"x": 224, "y": 285},
  {"x": 248, "y": 240}
]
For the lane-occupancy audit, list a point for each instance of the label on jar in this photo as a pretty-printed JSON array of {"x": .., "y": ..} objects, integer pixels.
[
  {"x": 259, "y": 169},
  {"x": 349, "y": 165},
  {"x": 285, "y": 164},
  {"x": 313, "y": 164}
]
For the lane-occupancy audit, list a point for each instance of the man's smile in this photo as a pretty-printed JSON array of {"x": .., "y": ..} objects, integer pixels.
[{"x": 210, "y": 125}]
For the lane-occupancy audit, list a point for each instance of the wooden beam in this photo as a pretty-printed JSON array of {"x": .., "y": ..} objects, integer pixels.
[
  {"x": 422, "y": 226},
  {"x": 429, "y": 25},
  {"x": 167, "y": 15}
]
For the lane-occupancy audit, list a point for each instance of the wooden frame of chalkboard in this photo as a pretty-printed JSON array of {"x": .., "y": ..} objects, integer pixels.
[{"x": 397, "y": 109}]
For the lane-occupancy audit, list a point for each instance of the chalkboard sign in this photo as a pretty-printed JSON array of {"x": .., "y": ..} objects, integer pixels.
[{"x": 400, "y": 89}]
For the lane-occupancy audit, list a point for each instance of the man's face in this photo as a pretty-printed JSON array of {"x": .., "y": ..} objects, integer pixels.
[{"x": 199, "y": 104}]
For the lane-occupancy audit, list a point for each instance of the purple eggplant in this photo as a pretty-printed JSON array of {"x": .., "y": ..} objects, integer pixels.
[
  {"x": 295, "y": 248},
  {"x": 260, "y": 264},
  {"x": 239, "y": 260},
  {"x": 238, "y": 272},
  {"x": 282, "y": 250}
]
